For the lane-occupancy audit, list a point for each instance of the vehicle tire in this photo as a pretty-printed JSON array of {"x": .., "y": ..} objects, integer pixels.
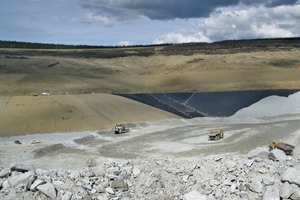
[{"x": 217, "y": 137}]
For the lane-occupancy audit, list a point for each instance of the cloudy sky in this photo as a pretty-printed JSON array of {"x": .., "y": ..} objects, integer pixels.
[{"x": 128, "y": 22}]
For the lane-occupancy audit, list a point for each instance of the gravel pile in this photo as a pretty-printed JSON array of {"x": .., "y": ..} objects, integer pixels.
[{"x": 259, "y": 175}]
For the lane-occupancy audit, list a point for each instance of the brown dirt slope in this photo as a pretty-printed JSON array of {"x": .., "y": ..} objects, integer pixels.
[
  {"x": 65, "y": 113},
  {"x": 158, "y": 73}
]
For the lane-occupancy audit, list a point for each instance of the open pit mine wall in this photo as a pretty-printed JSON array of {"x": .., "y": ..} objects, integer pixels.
[{"x": 205, "y": 104}]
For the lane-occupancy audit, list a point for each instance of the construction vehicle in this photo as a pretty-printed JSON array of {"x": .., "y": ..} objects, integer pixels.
[
  {"x": 279, "y": 144},
  {"x": 120, "y": 128},
  {"x": 216, "y": 134}
]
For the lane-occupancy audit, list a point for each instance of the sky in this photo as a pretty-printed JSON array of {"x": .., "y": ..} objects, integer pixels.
[{"x": 142, "y": 22}]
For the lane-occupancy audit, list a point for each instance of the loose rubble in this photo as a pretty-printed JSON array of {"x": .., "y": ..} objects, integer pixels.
[{"x": 255, "y": 176}]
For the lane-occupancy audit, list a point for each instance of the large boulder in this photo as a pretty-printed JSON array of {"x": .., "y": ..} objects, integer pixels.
[
  {"x": 296, "y": 194},
  {"x": 291, "y": 175},
  {"x": 47, "y": 189},
  {"x": 119, "y": 184},
  {"x": 271, "y": 193},
  {"x": 109, "y": 190},
  {"x": 278, "y": 155},
  {"x": 244, "y": 195},
  {"x": 74, "y": 175},
  {"x": 261, "y": 152},
  {"x": 66, "y": 196},
  {"x": 4, "y": 173},
  {"x": 35, "y": 184},
  {"x": 24, "y": 179},
  {"x": 267, "y": 180},
  {"x": 286, "y": 190},
  {"x": 194, "y": 195},
  {"x": 256, "y": 186},
  {"x": 21, "y": 167}
]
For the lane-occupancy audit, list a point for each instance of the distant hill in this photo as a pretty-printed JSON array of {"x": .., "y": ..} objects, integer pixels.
[
  {"x": 34, "y": 45},
  {"x": 220, "y": 47},
  {"x": 220, "y": 66}
]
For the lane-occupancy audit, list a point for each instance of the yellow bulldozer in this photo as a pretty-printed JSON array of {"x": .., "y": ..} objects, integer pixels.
[{"x": 279, "y": 144}]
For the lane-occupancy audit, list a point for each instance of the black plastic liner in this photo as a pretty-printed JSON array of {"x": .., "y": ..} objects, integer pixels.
[{"x": 205, "y": 104}]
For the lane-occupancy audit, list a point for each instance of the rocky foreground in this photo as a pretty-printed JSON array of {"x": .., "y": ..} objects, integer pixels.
[{"x": 259, "y": 175}]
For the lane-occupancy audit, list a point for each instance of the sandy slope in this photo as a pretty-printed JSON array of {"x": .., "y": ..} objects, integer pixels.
[{"x": 60, "y": 113}]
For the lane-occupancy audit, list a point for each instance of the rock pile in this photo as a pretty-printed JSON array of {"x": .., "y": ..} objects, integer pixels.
[{"x": 260, "y": 175}]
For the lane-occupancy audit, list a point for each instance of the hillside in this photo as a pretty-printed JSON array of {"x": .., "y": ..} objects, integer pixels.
[
  {"x": 223, "y": 66},
  {"x": 69, "y": 113},
  {"x": 26, "y": 73}
]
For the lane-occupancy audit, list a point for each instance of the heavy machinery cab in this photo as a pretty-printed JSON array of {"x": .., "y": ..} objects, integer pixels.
[
  {"x": 120, "y": 128},
  {"x": 278, "y": 144},
  {"x": 216, "y": 134}
]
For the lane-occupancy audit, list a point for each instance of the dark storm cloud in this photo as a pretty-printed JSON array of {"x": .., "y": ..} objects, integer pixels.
[
  {"x": 274, "y": 3},
  {"x": 156, "y": 9},
  {"x": 110, "y": 22},
  {"x": 269, "y": 3}
]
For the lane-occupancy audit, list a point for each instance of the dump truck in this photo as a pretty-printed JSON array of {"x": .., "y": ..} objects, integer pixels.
[
  {"x": 279, "y": 144},
  {"x": 120, "y": 128},
  {"x": 216, "y": 134}
]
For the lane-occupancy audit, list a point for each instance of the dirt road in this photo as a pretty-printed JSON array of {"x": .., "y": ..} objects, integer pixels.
[{"x": 168, "y": 139}]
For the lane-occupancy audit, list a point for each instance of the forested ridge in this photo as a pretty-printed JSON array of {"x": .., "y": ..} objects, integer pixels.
[{"x": 35, "y": 45}]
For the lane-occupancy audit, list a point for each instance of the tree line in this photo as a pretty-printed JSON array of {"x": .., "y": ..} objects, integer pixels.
[{"x": 35, "y": 45}]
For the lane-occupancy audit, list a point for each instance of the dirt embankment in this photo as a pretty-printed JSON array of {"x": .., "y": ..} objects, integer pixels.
[{"x": 63, "y": 113}]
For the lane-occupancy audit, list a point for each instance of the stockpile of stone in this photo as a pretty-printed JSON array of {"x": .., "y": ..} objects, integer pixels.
[{"x": 259, "y": 175}]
